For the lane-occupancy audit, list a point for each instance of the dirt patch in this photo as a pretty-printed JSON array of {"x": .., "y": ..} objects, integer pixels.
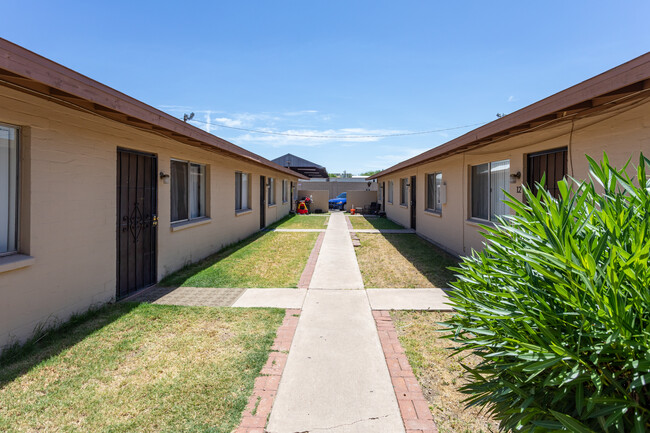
[{"x": 440, "y": 375}]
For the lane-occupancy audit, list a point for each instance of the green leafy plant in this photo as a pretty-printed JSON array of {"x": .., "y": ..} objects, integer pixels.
[{"x": 557, "y": 305}]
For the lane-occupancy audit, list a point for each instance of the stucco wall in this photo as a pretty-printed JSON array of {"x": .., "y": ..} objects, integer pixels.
[
  {"x": 337, "y": 186},
  {"x": 359, "y": 199},
  {"x": 320, "y": 198},
  {"x": 68, "y": 213},
  {"x": 622, "y": 134}
]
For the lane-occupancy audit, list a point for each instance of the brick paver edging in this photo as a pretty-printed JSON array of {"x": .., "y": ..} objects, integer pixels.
[
  {"x": 412, "y": 405},
  {"x": 308, "y": 272},
  {"x": 259, "y": 405},
  {"x": 347, "y": 220}
]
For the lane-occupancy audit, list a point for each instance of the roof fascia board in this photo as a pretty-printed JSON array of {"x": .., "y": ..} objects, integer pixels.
[
  {"x": 634, "y": 71},
  {"x": 30, "y": 65}
]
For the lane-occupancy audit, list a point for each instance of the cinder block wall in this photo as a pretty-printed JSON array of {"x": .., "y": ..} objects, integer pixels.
[
  {"x": 359, "y": 199},
  {"x": 337, "y": 186},
  {"x": 320, "y": 198}
]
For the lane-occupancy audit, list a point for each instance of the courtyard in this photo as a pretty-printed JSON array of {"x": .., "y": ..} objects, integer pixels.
[{"x": 212, "y": 326}]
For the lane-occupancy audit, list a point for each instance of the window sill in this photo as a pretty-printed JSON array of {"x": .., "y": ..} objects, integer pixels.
[
  {"x": 433, "y": 213},
  {"x": 243, "y": 212},
  {"x": 404, "y": 206},
  {"x": 15, "y": 261},
  {"x": 189, "y": 224},
  {"x": 272, "y": 205},
  {"x": 477, "y": 222}
]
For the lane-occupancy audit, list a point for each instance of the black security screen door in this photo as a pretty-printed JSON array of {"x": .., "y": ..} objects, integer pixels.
[
  {"x": 553, "y": 163},
  {"x": 136, "y": 221}
]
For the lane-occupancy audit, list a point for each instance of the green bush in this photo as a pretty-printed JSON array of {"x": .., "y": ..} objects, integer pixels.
[{"x": 558, "y": 307}]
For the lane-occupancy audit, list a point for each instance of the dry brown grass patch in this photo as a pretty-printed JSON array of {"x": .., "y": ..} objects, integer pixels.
[{"x": 440, "y": 375}]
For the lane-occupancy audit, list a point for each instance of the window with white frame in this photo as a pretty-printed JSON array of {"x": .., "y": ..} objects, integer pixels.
[
  {"x": 187, "y": 190},
  {"x": 242, "y": 191},
  {"x": 403, "y": 192},
  {"x": 8, "y": 189},
  {"x": 489, "y": 181},
  {"x": 285, "y": 190},
  {"x": 390, "y": 191},
  {"x": 434, "y": 184},
  {"x": 271, "y": 191}
]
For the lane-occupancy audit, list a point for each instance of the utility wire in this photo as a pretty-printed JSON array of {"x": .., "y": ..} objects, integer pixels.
[{"x": 401, "y": 134}]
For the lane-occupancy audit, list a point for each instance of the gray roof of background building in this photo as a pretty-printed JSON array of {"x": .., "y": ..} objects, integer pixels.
[{"x": 302, "y": 166}]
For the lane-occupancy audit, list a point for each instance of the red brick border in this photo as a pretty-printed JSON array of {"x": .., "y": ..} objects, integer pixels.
[
  {"x": 347, "y": 220},
  {"x": 412, "y": 405},
  {"x": 308, "y": 272},
  {"x": 260, "y": 402}
]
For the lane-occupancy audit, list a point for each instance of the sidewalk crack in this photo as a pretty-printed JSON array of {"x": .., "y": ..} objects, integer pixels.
[{"x": 373, "y": 418}]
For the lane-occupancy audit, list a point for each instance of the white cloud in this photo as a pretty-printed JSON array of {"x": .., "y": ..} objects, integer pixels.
[
  {"x": 279, "y": 135},
  {"x": 228, "y": 122},
  {"x": 300, "y": 113},
  {"x": 511, "y": 98},
  {"x": 314, "y": 137}
]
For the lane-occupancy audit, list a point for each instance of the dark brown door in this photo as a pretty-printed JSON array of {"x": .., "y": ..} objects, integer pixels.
[
  {"x": 553, "y": 163},
  {"x": 413, "y": 191},
  {"x": 383, "y": 196},
  {"x": 137, "y": 221},
  {"x": 291, "y": 199},
  {"x": 262, "y": 202}
]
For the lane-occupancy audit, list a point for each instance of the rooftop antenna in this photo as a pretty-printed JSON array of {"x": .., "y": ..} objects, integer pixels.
[{"x": 187, "y": 117}]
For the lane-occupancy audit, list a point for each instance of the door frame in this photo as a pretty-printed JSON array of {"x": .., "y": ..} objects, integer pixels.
[
  {"x": 154, "y": 251},
  {"x": 413, "y": 201},
  {"x": 529, "y": 170},
  {"x": 262, "y": 202}
]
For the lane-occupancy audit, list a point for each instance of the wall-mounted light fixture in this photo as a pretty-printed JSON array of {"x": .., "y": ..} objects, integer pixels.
[
  {"x": 164, "y": 177},
  {"x": 515, "y": 176}
]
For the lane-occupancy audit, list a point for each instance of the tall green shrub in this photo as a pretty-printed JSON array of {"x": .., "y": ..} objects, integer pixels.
[{"x": 558, "y": 307}]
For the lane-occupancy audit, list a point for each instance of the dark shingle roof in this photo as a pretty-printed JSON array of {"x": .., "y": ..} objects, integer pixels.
[{"x": 302, "y": 166}]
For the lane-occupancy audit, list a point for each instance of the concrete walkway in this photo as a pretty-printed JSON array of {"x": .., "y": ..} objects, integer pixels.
[
  {"x": 380, "y": 299},
  {"x": 296, "y": 230},
  {"x": 337, "y": 266},
  {"x": 336, "y": 378},
  {"x": 273, "y": 298},
  {"x": 408, "y": 299},
  {"x": 384, "y": 231}
]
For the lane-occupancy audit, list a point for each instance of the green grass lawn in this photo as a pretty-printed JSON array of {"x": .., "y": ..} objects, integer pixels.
[
  {"x": 439, "y": 373},
  {"x": 373, "y": 223},
  {"x": 139, "y": 367},
  {"x": 301, "y": 222},
  {"x": 402, "y": 261},
  {"x": 271, "y": 259}
]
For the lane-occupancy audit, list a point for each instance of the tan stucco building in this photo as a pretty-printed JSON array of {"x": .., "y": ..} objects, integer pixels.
[
  {"x": 102, "y": 195},
  {"x": 446, "y": 192}
]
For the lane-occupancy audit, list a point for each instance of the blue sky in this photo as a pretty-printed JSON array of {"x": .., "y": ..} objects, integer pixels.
[{"x": 335, "y": 68}]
